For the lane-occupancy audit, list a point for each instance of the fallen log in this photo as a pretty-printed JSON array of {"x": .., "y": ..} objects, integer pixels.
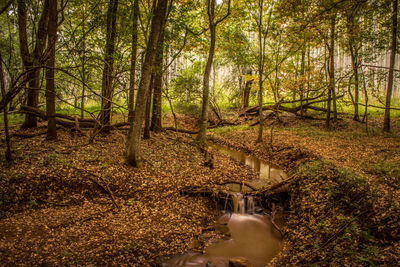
[
  {"x": 66, "y": 120},
  {"x": 254, "y": 110},
  {"x": 180, "y": 130},
  {"x": 83, "y": 123}
]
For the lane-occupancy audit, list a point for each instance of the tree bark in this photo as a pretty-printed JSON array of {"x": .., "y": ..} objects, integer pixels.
[
  {"x": 83, "y": 62},
  {"x": 8, "y": 154},
  {"x": 260, "y": 73},
  {"x": 146, "y": 132},
  {"x": 156, "y": 123},
  {"x": 107, "y": 82},
  {"x": 331, "y": 89},
  {"x": 50, "y": 85},
  {"x": 246, "y": 90},
  {"x": 302, "y": 72},
  {"x": 34, "y": 59},
  {"x": 389, "y": 90},
  {"x": 332, "y": 67},
  {"x": 132, "y": 75},
  {"x": 133, "y": 155},
  {"x": 354, "y": 63}
]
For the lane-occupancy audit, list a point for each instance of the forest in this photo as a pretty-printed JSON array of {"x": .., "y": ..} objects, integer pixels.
[{"x": 199, "y": 133}]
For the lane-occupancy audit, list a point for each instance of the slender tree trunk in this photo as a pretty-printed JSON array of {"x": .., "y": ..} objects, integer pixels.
[
  {"x": 302, "y": 71},
  {"x": 32, "y": 60},
  {"x": 83, "y": 61},
  {"x": 50, "y": 85},
  {"x": 8, "y": 154},
  {"x": 389, "y": 90},
  {"x": 206, "y": 79},
  {"x": 133, "y": 155},
  {"x": 107, "y": 83},
  {"x": 132, "y": 76},
  {"x": 146, "y": 132},
  {"x": 246, "y": 90},
  {"x": 260, "y": 73},
  {"x": 331, "y": 90},
  {"x": 332, "y": 67},
  {"x": 354, "y": 63},
  {"x": 156, "y": 123}
]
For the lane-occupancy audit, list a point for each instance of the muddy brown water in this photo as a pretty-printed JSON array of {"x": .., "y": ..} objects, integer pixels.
[
  {"x": 253, "y": 237},
  {"x": 268, "y": 173}
]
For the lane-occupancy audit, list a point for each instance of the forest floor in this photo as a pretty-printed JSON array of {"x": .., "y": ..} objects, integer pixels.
[{"x": 68, "y": 202}]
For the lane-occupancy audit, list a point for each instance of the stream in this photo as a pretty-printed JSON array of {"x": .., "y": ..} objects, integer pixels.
[
  {"x": 253, "y": 237},
  {"x": 268, "y": 173}
]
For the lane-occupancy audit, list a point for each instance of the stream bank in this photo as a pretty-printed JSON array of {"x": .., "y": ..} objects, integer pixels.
[{"x": 344, "y": 201}]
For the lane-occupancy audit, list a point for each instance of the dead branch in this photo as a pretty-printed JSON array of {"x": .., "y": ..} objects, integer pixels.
[{"x": 239, "y": 183}]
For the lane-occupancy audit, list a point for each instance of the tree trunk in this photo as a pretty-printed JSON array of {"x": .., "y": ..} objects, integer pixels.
[
  {"x": 332, "y": 67},
  {"x": 132, "y": 76},
  {"x": 354, "y": 63},
  {"x": 302, "y": 72},
  {"x": 50, "y": 86},
  {"x": 246, "y": 90},
  {"x": 156, "y": 123},
  {"x": 386, "y": 122},
  {"x": 107, "y": 82},
  {"x": 331, "y": 71},
  {"x": 260, "y": 73},
  {"x": 5, "y": 110},
  {"x": 206, "y": 79},
  {"x": 146, "y": 132},
  {"x": 34, "y": 59},
  {"x": 133, "y": 155},
  {"x": 83, "y": 61}
]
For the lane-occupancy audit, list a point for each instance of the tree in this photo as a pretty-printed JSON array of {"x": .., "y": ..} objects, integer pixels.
[
  {"x": 154, "y": 119},
  {"x": 156, "y": 123},
  {"x": 389, "y": 90},
  {"x": 50, "y": 85},
  {"x": 32, "y": 60},
  {"x": 247, "y": 87},
  {"x": 5, "y": 110},
  {"x": 133, "y": 155},
  {"x": 132, "y": 76},
  {"x": 107, "y": 81},
  {"x": 262, "y": 37},
  {"x": 212, "y": 23},
  {"x": 331, "y": 73}
]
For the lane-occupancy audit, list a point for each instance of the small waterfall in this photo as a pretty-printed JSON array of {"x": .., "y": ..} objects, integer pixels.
[
  {"x": 242, "y": 204},
  {"x": 236, "y": 202},
  {"x": 242, "y": 207},
  {"x": 250, "y": 205}
]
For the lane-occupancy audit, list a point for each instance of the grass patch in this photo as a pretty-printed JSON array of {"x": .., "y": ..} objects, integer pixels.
[
  {"x": 387, "y": 172},
  {"x": 226, "y": 129}
]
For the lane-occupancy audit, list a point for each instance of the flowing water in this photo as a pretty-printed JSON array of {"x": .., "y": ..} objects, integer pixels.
[
  {"x": 252, "y": 236},
  {"x": 268, "y": 173}
]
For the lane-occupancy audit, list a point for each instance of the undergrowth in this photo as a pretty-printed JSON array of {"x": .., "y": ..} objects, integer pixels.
[{"x": 340, "y": 218}]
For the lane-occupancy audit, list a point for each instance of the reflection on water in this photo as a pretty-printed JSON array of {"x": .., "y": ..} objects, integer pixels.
[
  {"x": 266, "y": 170},
  {"x": 253, "y": 237}
]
